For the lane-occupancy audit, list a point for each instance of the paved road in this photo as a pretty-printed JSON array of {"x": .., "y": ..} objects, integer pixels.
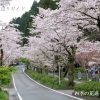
[{"x": 29, "y": 90}]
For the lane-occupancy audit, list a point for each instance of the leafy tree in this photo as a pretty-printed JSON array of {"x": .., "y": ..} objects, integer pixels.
[
  {"x": 25, "y": 20},
  {"x": 48, "y": 4},
  {"x": 25, "y": 61},
  {"x": 58, "y": 39},
  {"x": 34, "y": 9},
  {"x": 10, "y": 49}
]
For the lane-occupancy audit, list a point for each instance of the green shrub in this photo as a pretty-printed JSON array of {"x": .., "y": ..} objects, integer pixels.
[
  {"x": 5, "y": 75},
  {"x": 80, "y": 69},
  {"x": 48, "y": 80},
  {"x": 24, "y": 60},
  {"x": 89, "y": 88},
  {"x": 5, "y": 78},
  {"x": 3, "y": 95}
]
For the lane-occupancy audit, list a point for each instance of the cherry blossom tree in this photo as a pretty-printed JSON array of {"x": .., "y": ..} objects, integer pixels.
[
  {"x": 9, "y": 45},
  {"x": 87, "y": 15},
  {"x": 59, "y": 32},
  {"x": 88, "y": 51}
]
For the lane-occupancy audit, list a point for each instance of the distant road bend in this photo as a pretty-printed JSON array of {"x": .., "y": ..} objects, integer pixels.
[{"x": 29, "y": 90}]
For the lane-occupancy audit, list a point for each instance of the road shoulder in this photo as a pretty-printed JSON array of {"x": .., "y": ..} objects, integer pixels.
[{"x": 12, "y": 92}]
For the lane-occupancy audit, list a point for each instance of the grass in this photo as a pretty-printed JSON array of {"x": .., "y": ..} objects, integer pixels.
[
  {"x": 3, "y": 95},
  {"x": 48, "y": 80},
  {"x": 88, "y": 88}
]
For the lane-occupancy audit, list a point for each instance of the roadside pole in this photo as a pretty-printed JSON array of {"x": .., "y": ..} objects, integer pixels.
[{"x": 59, "y": 74}]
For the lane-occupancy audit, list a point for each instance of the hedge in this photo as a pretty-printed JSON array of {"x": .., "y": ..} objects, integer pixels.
[
  {"x": 48, "y": 80},
  {"x": 88, "y": 89}
]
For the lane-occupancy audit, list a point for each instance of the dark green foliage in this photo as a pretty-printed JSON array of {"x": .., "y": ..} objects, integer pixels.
[
  {"x": 34, "y": 9},
  {"x": 48, "y": 4},
  {"x": 25, "y": 21},
  {"x": 90, "y": 33}
]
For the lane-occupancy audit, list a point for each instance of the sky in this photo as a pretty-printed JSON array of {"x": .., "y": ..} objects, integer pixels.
[{"x": 15, "y": 9}]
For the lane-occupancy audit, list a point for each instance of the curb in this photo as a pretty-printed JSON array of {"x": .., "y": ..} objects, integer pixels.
[{"x": 52, "y": 89}]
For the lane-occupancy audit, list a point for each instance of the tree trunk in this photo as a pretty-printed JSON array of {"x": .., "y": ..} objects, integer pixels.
[
  {"x": 71, "y": 75},
  {"x": 1, "y": 58},
  {"x": 71, "y": 62},
  {"x": 66, "y": 71}
]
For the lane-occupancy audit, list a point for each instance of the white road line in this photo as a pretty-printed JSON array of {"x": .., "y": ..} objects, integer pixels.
[
  {"x": 52, "y": 89},
  {"x": 16, "y": 88}
]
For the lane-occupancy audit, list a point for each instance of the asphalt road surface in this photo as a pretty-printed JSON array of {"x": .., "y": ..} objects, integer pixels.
[{"x": 29, "y": 90}]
